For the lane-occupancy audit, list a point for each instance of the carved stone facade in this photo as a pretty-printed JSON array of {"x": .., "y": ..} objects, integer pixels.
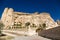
[{"x": 9, "y": 18}]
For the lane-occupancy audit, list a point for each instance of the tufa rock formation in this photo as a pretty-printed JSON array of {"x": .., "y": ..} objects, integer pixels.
[{"x": 9, "y": 18}]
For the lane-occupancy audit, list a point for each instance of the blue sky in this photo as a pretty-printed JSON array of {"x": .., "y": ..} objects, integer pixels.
[{"x": 31, "y": 6}]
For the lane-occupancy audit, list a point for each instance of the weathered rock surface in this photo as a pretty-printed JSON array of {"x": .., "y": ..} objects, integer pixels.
[
  {"x": 9, "y": 17},
  {"x": 53, "y": 33}
]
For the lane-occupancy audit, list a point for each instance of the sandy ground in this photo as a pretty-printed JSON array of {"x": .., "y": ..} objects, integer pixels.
[
  {"x": 30, "y": 38},
  {"x": 16, "y": 37}
]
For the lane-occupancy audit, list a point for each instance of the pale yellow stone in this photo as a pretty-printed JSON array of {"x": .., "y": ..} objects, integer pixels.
[{"x": 9, "y": 17}]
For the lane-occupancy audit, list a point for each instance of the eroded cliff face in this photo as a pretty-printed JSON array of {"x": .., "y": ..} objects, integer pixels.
[
  {"x": 9, "y": 18},
  {"x": 58, "y": 22}
]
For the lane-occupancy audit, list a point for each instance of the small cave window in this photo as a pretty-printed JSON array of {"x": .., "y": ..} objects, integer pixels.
[
  {"x": 7, "y": 21},
  {"x": 27, "y": 23},
  {"x": 9, "y": 15},
  {"x": 15, "y": 17}
]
